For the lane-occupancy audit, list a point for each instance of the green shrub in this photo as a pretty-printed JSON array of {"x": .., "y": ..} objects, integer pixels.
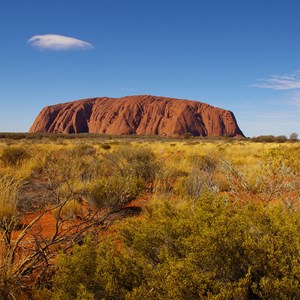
[
  {"x": 199, "y": 182},
  {"x": 115, "y": 191},
  {"x": 129, "y": 161},
  {"x": 284, "y": 155},
  {"x": 14, "y": 155},
  {"x": 209, "y": 250},
  {"x": 82, "y": 267},
  {"x": 201, "y": 178},
  {"x": 167, "y": 178},
  {"x": 66, "y": 166},
  {"x": 206, "y": 163}
]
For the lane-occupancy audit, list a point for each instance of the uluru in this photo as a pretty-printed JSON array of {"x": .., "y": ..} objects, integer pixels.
[{"x": 141, "y": 115}]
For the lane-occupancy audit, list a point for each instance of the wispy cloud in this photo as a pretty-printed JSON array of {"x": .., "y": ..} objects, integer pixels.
[
  {"x": 293, "y": 99},
  {"x": 281, "y": 82},
  {"x": 58, "y": 42}
]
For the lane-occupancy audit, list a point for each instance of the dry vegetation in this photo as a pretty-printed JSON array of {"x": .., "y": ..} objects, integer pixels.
[{"x": 221, "y": 220}]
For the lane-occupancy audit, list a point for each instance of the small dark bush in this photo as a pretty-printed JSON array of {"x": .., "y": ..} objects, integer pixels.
[
  {"x": 293, "y": 137},
  {"x": 188, "y": 135},
  {"x": 14, "y": 155},
  {"x": 206, "y": 163},
  {"x": 281, "y": 139},
  {"x": 105, "y": 146},
  {"x": 84, "y": 150}
]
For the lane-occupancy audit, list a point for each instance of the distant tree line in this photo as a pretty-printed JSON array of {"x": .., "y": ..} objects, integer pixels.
[{"x": 275, "y": 139}]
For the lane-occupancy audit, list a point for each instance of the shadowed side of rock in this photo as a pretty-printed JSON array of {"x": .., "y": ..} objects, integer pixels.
[{"x": 142, "y": 115}]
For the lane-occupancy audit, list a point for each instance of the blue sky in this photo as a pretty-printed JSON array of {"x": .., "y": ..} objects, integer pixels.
[{"x": 236, "y": 54}]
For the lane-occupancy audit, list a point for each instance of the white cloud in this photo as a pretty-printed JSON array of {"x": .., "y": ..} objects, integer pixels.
[
  {"x": 281, "y": 82},
  {"x": 58, "y": 42},
  {"x": 293, "y": 99}
]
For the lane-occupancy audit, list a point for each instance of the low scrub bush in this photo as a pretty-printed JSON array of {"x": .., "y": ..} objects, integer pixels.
[
  {"x": 167, "y": 178},
  {"x": 212, "y": 249},
  {"x": 264, "y": 139},
  {"x": 84, "y": 150},
  {"x": 138, "y": 162},
  {"x": 67, "y": 167},
  {"x": 281, "y": 139},
  {"x": 268, "y": 182},
  {"x": 115, "y": 191},
  {"x": 202, "y": 176},
  {"x": 14, "y": 155},
  {"x": 206, "y": 163},
  {"x": 284, "y": 155},
  {"x": 270, "y": 139},
  {"x": 293, "y": 137},
  {"x": 71, "y": 210},
  {"x": 9, "y": 191},
  {"x": 199, "y": 182},
  {"x": 105, "y": 146},
  {"x": 188, "y": 135}
]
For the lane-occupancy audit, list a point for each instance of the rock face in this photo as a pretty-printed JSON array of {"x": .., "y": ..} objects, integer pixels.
[{"x": 142, "y": 115}]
